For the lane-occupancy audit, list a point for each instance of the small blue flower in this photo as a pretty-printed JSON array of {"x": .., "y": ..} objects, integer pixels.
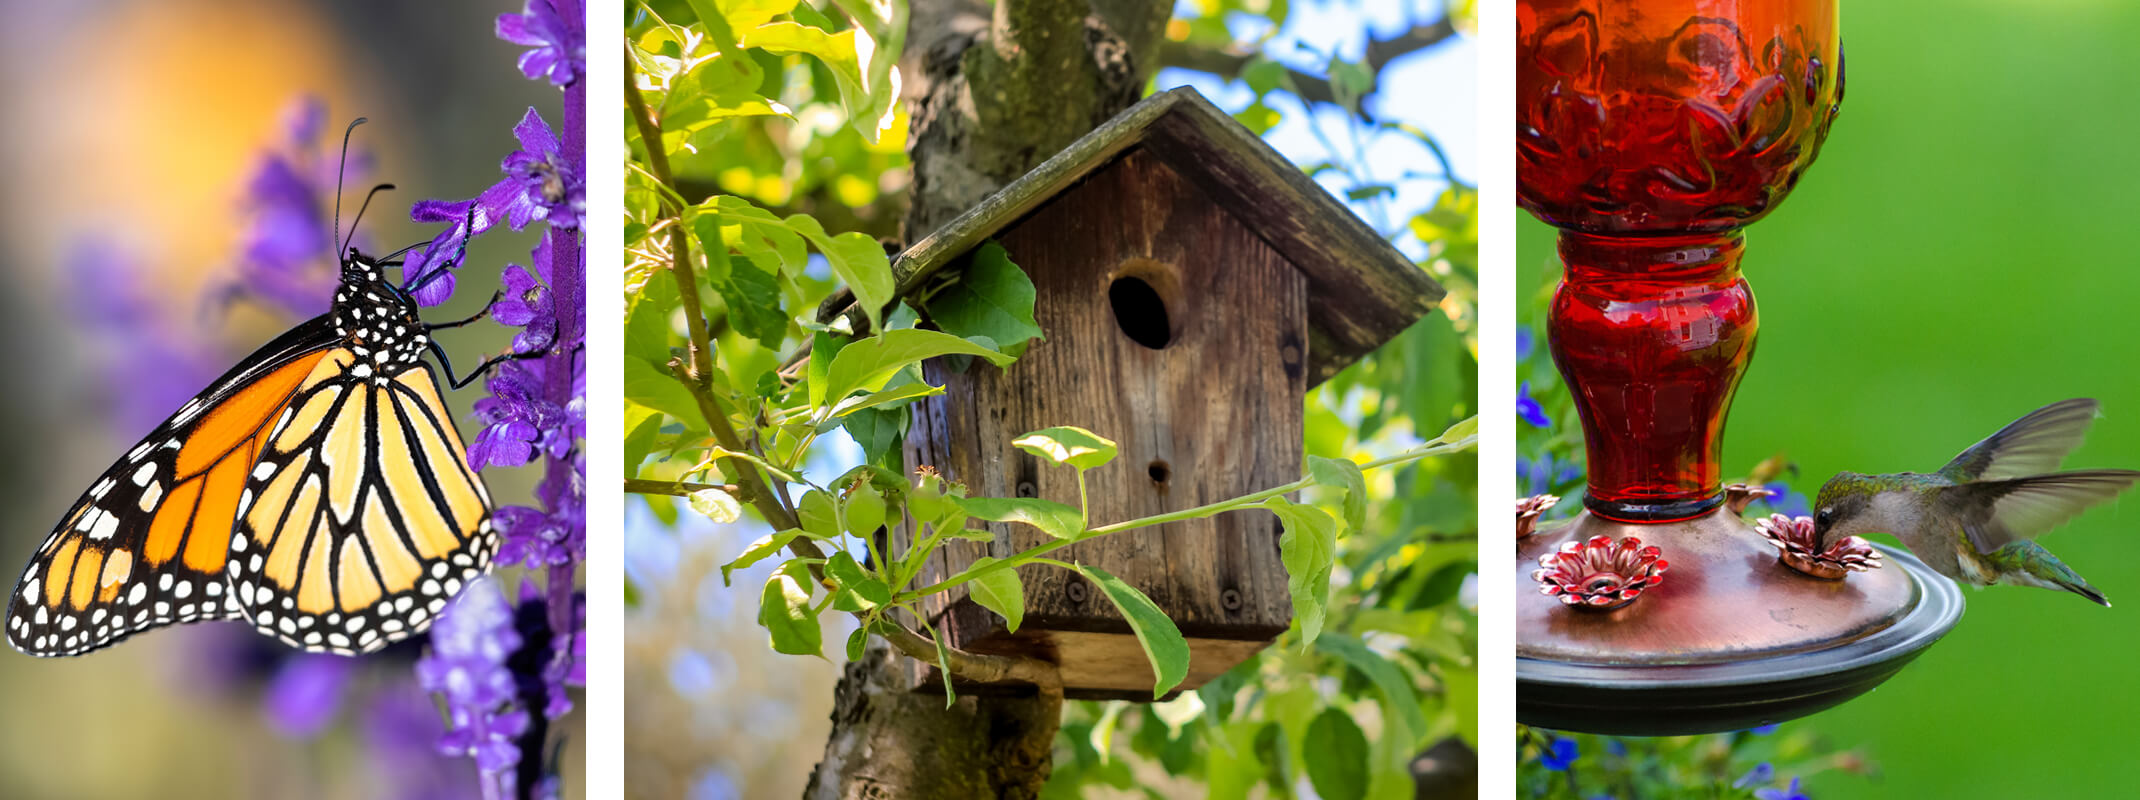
[
  {"x": 1781, "y": 794},
  {"x": 1765, "y": 730},
  {"x": 1761, "y": 774},
  {"x": 1529, "y": 409},
  {"x": 1526, "y": 343},
  {"x": 1616, "y": 747},
  {"x": 1541, "y": 475},
  {"x": 518, "y": 422},
  {"x": 1787, "y": 503},
  {"x": 558, "y": 33},
  {"x": 1558, "y": 756},
  {"x": 540, "y": 185}
]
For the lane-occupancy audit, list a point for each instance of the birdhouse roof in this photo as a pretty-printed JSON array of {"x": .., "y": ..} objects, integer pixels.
[{"x": 1361, "y": 290}]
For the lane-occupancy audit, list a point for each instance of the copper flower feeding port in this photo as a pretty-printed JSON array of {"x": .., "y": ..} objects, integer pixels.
[{"x": 1651, "y": 133}]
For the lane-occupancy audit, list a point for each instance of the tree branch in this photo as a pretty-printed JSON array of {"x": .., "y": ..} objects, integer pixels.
[
  {"x": 974, "y": 667},
  {"x": 1230, "y": 62}
]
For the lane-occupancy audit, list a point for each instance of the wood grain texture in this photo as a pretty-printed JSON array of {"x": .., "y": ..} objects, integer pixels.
[{"x": 1220, "y": 408}]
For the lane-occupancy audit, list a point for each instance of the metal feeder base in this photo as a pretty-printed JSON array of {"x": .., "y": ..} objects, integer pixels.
[{"x": 1731, "y": 640}]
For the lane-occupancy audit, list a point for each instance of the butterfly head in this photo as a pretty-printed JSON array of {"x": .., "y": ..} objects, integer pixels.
[{"x": 378, "y": 318}]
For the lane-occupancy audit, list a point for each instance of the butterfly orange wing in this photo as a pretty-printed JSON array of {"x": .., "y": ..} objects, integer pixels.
[{"x": 146, "y": 545}]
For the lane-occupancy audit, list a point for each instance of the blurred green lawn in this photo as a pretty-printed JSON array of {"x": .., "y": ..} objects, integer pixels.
[{"x": 1962, "y": 253}]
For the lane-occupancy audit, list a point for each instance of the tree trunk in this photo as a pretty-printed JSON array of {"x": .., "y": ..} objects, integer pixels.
[{"x": 990, "y": 94}]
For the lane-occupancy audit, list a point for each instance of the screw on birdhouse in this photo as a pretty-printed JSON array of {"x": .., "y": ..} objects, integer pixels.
[
  {"x": 1289, "y": 354},
  {"x": 1027, "y": 489},
  {"x": 1076, "y": 591},
  {"x": 1230, "y": 599}
]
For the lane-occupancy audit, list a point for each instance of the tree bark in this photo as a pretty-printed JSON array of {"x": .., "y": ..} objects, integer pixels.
[{"x": 990, "y": 94}]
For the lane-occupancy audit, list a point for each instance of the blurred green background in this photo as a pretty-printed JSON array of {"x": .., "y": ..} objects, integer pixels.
[{"x": 1960, "y": 255}]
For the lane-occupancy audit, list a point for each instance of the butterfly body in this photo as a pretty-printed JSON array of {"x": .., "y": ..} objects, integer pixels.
[{"x": 317, "y": 490}]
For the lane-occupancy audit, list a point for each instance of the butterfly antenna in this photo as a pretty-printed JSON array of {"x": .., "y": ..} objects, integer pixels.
[
  {"x": 360, "y": 213},
  {"x": 338, "y": 170}
]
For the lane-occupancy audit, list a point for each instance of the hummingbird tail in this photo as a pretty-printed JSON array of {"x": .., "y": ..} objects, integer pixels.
[{"x": 2027, "y": 563}]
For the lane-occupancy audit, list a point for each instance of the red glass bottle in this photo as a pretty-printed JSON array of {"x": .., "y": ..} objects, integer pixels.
[{"x": 1650, "y": 131}]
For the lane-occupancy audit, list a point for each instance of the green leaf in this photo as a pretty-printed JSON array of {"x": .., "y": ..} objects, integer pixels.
[
  {"x": 1052, "y": 518},
  {"x": 1070, "y": 445},
  {"x": 656, "y": 388},
  {"x": 814, "y": 513},
  {"x": 1308, "y": 548},
  {"x": 855, "y": 642},
  {"x": 1264, "y": 75},
  {"x": 859, "y": 261},
  {"x": 1467, "y": 429},
  {"x": 943, "y": 664},
  {"x": 894, "y": 396},
  {"x": 753, "y": 299},
  {"x": 992, "y": 298},
  {"x": 999, "y": 591},
  {"x": 879, "y": 432},
  {"x": 784, "y": 611},
  {"x": 856, "y": 583},
  {"x": 823, "y": 347},
  {"x": 1343, "y": 474},
  {"x": 865, "y": 510},
  {"x": 642, "y": 427},
  {"x": 757, "y": 551},
  {"x": 1163, "y": 643},
  {"x": 646, "y": 324},
  {"x": 717, "y": 505},
  {"x": 758, "y": 235},
  {"x": 1335, "y": 752},
  {"x": 867, "y": 365},
  {"x": 1400, "y": 702}
]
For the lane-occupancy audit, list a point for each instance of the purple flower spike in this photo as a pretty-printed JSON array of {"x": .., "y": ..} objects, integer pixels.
[
  {"x": 558, "y": 36},
  {"x": 470, "y": 644},
  {"x": 305, "y": 695}
]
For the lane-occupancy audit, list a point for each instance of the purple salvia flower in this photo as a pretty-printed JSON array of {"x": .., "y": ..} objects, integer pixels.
[
  {"x": 289, "y": 256},
  {"x": 559, "y": 41},
  {"x": 470, "y": 644},
  {"x": 540, "y": 184},
  {"x": 306, "y": 693},
  {"x": 519, "y": 420}
]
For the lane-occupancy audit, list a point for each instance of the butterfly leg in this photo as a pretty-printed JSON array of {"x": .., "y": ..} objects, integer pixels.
[
  {"x": 485, "y": 367},
  {"x": 478, "y": 315}
]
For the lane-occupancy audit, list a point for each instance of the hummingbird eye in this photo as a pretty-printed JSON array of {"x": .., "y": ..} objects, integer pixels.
[{"x": 1827, "y": 515}]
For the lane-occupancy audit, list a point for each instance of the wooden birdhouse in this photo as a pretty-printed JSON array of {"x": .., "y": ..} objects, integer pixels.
[{"x": 1192, "y": 285}]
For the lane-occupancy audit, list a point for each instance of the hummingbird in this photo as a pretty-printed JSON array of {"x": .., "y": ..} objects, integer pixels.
[{"x": 1976, "y": 519}]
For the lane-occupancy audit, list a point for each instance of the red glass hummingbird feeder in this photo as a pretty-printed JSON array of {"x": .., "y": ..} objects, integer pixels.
[{"x": 1650, "y": 132}]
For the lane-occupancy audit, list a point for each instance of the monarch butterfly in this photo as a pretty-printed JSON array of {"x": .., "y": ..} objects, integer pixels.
[{"x": 316, "y": 490}]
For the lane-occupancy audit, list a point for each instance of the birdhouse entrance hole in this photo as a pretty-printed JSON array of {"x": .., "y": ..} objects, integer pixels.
[{"x": 1140, "y": 312}]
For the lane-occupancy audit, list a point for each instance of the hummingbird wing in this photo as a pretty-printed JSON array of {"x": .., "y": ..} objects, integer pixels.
[
  {"x": 1998, "y": 513},
  {"x": 2031, "y": 445}
]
